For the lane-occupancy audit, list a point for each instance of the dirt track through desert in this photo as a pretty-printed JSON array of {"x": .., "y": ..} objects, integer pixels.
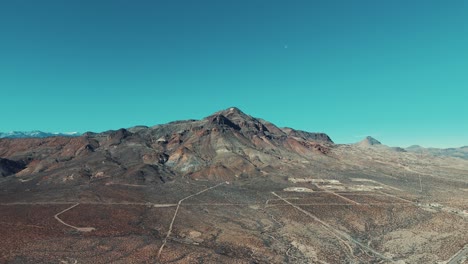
[
  {"x": 338, "y": 234},
  {"x": 459, "y": 256},
  {"x": 177, "y": 210},
  {"x": 81, "y": 229}
]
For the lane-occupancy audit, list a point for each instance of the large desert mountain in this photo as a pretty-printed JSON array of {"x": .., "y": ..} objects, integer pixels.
[
  {"x": 229, "y": 188},
  {"x": 225, "y": 145}
]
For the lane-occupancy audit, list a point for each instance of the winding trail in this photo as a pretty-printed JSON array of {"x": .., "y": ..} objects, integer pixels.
[
  {"x": 177, "y": 210},
  {"x": 81, "y": 229}
]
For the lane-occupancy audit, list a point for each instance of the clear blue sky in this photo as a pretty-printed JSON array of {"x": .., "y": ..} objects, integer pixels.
[{"x": 393, "y": 69}]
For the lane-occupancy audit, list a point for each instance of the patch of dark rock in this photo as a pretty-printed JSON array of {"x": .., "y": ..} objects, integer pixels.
[{"x": 9, "y": 167}]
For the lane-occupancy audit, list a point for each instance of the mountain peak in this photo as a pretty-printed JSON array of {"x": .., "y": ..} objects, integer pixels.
[
  {"x": 232, "y": 112},
  {"x": 415, "y": 147},
  {"x": 369, "y": 141},
  {"x": 235, "y": 115}
]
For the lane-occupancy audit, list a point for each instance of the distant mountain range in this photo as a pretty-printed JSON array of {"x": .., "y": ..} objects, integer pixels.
[
  {"x": 462, "y": 152},
  {"x": 369, "y": 141},
  {"x": 36, "y": 134},
  {"x": 448, "y": 152}
]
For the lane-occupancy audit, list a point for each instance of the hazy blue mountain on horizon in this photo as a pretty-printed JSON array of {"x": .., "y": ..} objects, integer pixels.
[
  {"x": 461, "y": 152},
  {"x": 36, "y": 134}
]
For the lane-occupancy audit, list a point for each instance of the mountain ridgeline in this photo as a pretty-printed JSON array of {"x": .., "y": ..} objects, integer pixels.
[
  {"x": 225, "y": 145},
  {"x": 461, "y": 152},
  {"x": 36, "y": 134}
]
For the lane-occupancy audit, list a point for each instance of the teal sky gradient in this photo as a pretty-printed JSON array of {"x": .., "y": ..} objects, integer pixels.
[{"x": 396, "y": 70}]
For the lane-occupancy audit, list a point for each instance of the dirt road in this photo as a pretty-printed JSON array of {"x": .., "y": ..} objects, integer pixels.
[
  {"x": 81, "y": 229},
  {"x": 175, "y": 215}
]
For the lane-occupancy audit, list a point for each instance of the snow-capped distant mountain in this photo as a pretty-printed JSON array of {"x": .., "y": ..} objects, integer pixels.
[{"x": 36, "y": 134}]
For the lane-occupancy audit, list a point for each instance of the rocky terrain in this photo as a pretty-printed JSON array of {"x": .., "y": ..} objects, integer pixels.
[{"x": 229, "y": 188}]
